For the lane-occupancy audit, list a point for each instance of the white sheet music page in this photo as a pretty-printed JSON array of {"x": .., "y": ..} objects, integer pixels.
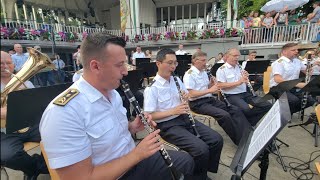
[{"x": 269, "y": 125}]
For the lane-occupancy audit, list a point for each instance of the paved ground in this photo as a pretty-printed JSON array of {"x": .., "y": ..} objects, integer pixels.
[{"x": 301, "y": 146}]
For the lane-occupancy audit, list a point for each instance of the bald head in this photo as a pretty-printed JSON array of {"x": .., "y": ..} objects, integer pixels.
[
  {"x": 6, "y": 64},
  {"x": 18, "y": 48}
]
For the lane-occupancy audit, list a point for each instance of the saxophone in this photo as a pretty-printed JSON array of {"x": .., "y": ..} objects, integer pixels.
[{"x": 36, "y": 62}]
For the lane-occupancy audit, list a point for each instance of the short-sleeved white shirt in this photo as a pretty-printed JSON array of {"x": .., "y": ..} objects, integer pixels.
[
  {"x": 76, "y": 76},
  {"x": 25, "y": 85},
  {"x": 228, "y": 74},
  {"x": 288, "y": 69},
  {"x": 315, "y": 68},
  {"x": 161, "y": 96},
  {"x": 88, "y": 125},
  {"x": 196, "y": 80},
  {"x": 181, "y": 52}
]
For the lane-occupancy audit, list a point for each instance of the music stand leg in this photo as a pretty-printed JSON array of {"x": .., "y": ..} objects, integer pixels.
[
  {"x": 264, "y": 165},
  {"x": 282, "y": 142},
  {"x": 316, "y": 126},
  {"x": 280, "y": 156}
]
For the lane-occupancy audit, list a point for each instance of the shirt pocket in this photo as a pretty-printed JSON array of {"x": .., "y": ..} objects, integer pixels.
[
  {"x": 230, "y": 78},
  {"x": 101, "y": 129},
  {"x": 164, "y": 98}
]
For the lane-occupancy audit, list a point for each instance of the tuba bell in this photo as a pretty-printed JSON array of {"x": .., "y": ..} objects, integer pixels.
[{"x": 35, "y": 63}]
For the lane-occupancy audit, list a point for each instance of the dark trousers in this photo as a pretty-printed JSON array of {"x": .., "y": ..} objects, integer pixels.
[
  {"x": 154, "y": 167},
  {"x": 205, "y": 150},
  {"x": 294, "y": 99},
  {"x": 243, "y": 100},
  {"x": 231, "y": 119},
  {"x": 14, "y": 157}
]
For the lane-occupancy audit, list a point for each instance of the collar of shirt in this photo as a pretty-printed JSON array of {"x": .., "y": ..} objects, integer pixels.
[
  {"x": 229, "y": 66},
  {"x": 286, "y": 59},
  {"x": 193, "y": 68},
  {"x": 91, "y": 92},
  {"x": 161, "y": 80}
]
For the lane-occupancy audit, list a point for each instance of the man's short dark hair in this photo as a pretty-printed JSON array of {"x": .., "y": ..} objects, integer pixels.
[
  {"x": 288, "y": 45},
  {"x": 93, "y": 47},
  {"x": 78, "y": 47},
  {"x": 162, "y": 54},
  {"x": 317, "y": 3}
]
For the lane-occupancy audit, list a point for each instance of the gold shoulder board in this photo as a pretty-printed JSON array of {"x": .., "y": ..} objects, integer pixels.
[
  {"x": 152, "y": 82},
  {"x": 79, "y": 71},
  {"x": 280, "y": 60},
  {"x": 66, "y": 97},
  {"x": 189, "y": 71},
  {"x": 223, "y": 66}
]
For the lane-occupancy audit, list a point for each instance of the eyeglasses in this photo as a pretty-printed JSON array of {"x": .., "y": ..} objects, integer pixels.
[{"x": 170, "y": 63}]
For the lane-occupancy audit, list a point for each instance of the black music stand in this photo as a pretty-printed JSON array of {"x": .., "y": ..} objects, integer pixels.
[
  {"x": 25, "y": 107},
  {"x": 142, "y": 60},
  {"x": 257, "y": 67},
  {"x": 255, "y": 142},
  {"x": 215, "y": 68},
  {"x": 277, "y": 91},
  {"x": 184, "y": 64},
  {"x": 133, "y": 78}
]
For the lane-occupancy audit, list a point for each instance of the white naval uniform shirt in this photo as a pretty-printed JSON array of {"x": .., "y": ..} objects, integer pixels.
[
  {"x": 88, "y": 125},
  {"x": 315, "y": 68},
  {"x": 161, "y": 96},
  {"x": 137, "y": 55},
  {"x": 288, "y": 69},
  {"x": 76, "y": 76},
  {"x": 196, "y": 80},
  {"x": 181, "y": 52},
  {"x": 228, "y": 74}
]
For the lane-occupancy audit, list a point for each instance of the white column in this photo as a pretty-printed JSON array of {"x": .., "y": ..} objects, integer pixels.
[
  {"x": 182, "y": 17},
  {"x": 235, "y": 15},
  {"x": 189, "y": 15},
  {"x": 4, "y": 11},
  {"x": 229, "y": 14},
  {"x": 205, "y": 13},
  {"x": 16, "y": 10},
  {"x": 175, "y": 13},
  {"x": 161, "y": 11},
  {"x": 25, "y": 12},
  {"x": 197, "y": 16},
  {"x": 168, "y": 16},
  {"x": 34, "y": 18}
]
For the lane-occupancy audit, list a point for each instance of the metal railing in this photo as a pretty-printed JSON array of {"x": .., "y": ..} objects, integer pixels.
[{"x": 281, "y": 34}]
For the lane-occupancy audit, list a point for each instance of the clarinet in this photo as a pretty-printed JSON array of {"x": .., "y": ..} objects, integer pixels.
[
  {"x": 192, "y": 121},
  {"x": 176, "y": 175},
  {"x": 307, "y": 80},
  {"x": 248, "y": 83},
  {"x": 222, "y": 93}
]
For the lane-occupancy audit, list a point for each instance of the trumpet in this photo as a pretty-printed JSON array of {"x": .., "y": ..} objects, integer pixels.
[
  {"x": 248, "y": 82},
  {"x": 208, "y": 70},
  {"x": 192, "y": 121},
  {"x": 176, "y": 175}
]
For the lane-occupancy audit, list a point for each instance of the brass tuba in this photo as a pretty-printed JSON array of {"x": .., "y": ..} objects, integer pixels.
[{"x": 36, "y": 62}]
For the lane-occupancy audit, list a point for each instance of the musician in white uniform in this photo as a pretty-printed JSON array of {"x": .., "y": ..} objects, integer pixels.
[
  {"x": 85, "y": 131},
  {"x": 200, "y": 88},
  {"x": 286, "y": 68},
  {"x": 233, "y": 83},
  {"x": 162, "y": 100}
]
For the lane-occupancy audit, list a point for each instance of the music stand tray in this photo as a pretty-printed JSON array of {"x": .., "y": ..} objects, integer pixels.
[
  {"x": 25, "y": 107},
  {"x": 313, "y": 87},
  {"x": 257, "y": 67},
  {"x": 255, "y": 141},
  {"x": 215, "y": 68},
  {"x": 142, "y": 60}
]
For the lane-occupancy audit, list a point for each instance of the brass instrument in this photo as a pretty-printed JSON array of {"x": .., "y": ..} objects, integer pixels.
[
  {"x": 36, "y": 62},
  {"x": 307, "y": 80}
]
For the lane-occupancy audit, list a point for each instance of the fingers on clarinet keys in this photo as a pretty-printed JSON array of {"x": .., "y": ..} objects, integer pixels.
[{"x": 149, "y": 145}]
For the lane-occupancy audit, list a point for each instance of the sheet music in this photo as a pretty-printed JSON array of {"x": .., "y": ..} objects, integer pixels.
[{"x": 269, "y": 125}]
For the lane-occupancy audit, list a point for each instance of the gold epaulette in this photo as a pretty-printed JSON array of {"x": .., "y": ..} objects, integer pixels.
[
  {"x": 189, "y": 71},
  {"x": 79, "y": 71},
  {"x": 280, "y": 60},
  {"x": 152, "y": 82},
  {"x": 66, "y": 97},
  {"x": 221, "y": 67}
]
